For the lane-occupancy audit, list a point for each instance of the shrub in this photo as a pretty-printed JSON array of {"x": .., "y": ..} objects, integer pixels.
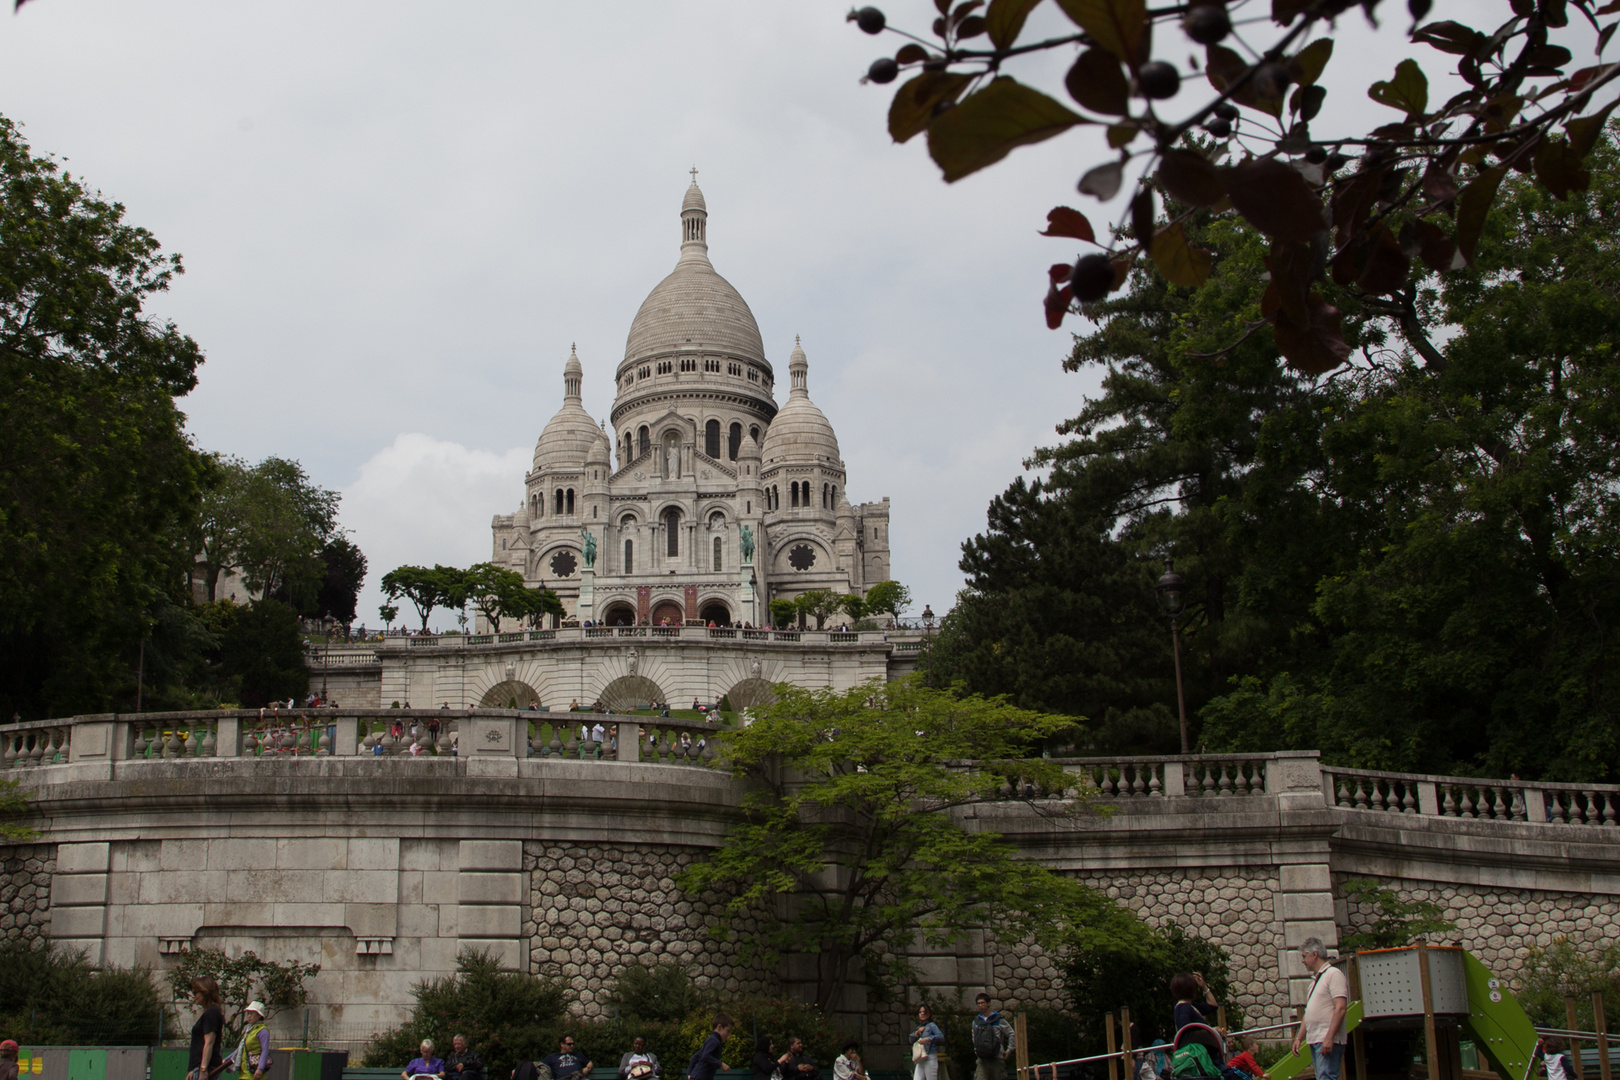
[
  {"x": 661, "y": 992},
  {"x": 1550, "y": 973},
  {"x": 1397, "y": 922},
  {"x": 1132, "y": 969},
  {"x": 51, "y": 995}
]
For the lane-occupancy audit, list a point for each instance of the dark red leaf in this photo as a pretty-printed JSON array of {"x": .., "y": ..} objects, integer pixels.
[
  {"x": 1473, "y": 204},
  {"x": 1559, "y": 169},
  {"x": 1142, "y": 216},
  {"x": 911, "y": 54},
  {"x": 1386, "y": 267},
  {"x": 1436, "y": 249},
  {"x": 1062, "y": 221},
  {"x": 1004, "y": 19},
  {"x": 1057, "y": 305},
  {"x": 1450, "y": 37},
  {"x": 1316, "y": 346},
  {"x": 1097, "y": 82},
  {"x": 1290, "y": 266},
  {"x": 1188, "y": 176},
  {"x": 1059, "y": 272},
  {"x": 914, "y": 102},
  {"x": 1438, "y": 184},
  {"x": 1275, "y": 199}
]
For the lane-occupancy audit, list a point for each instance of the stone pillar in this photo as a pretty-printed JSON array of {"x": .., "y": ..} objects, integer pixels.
[
  {"x": 491, "y": 894},
  {"x": 1305, "y": 908},
  {"x": 79, "y": 898},
  {"x": 587, "y": 593}
]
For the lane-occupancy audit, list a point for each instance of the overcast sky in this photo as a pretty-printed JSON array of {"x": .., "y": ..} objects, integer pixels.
[{"x": 396, "y": 217}]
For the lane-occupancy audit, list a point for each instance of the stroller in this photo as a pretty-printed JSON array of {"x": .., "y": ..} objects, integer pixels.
[{"x": 1200, "y": 1051}]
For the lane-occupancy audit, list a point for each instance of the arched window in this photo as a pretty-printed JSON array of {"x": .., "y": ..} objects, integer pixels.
[
  {"x": 753, "y": 433},
  {"x": 717, "y": 554},
  {"x": 629, "y": 448},
  {"x": 711, "y": 438},
  {"x": 824, "y": 504},
  {"x": 629, "y": 556},
  {"x": 734, "y": 442},
  {"x": 793, "y": 494},
  {"x": 835, "y": 497},
  {"x": 557, "y": 509},
  {"x": 570, "y": 510},
  {"x": 672, "y": 528},
  {"x": 643, "y": 440}
]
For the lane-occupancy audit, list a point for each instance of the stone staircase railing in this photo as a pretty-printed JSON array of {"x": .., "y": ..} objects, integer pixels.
[{"x": 1470, "y": 798}]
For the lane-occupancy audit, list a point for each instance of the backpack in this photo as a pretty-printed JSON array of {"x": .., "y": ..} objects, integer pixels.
[
  {"x": 987, "y": 1038},
  {"x": 1193, "y": 1060}
]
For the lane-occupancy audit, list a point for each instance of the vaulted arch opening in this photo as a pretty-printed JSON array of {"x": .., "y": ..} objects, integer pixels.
[{"x": 711, "y": 438}]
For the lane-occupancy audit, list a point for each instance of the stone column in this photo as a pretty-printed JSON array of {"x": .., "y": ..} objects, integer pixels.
[
  {"x": 587, "y": 593},
  {"x": 491, "y": 894}
]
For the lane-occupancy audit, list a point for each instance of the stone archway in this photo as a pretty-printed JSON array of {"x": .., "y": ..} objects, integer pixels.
[
  {"x": 749, "y": 693},
  {"x": 715, "y": 611},
  {"x": 630, "y": 692},
  {"x": 619, "y": 614},
  {"x": 670, "y": 612},
  {"x": 510, "y": 694}
]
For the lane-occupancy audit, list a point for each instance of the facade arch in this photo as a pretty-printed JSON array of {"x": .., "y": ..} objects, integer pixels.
[
  {"x": 619, "y": 613},
  {"x": 510, "y": 694},
  {"x": 715, "y": 611},
  {"x": 643, "y": 440},
  {"x": 669, "y": 611},
  {"x": 733, "y": 441},
  {"x": 711, "y": 439},
  {"x": 801, "y": 554},
  {"x": 750, "y": 693},
  {"x": 672, "y": 532},
  {"x": 629, "y": 692}
]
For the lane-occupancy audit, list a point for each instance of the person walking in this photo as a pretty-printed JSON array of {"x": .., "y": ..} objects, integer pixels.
[
  {"x": 252, "y": 1056},
  {"x": 706, "y": 1062},
  {"x": 1322, "y": 1026},
  {"x": 204, "y": 1059},
  {"x": 992, "y": 1041},
  {"x": 930, "y": 1038}
]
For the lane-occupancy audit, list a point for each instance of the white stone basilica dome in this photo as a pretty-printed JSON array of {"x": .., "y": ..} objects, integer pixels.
[
  {"x": 571, "y": 435},
  {"x": 800, "y": 433},
  {"x": 694, "y": 307}
]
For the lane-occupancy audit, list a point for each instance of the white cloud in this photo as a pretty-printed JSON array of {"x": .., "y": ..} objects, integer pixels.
[{"x": 423, "y": 500}]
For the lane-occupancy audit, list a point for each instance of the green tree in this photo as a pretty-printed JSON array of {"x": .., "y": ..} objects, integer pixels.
[
  {"x": 426, "y": 588},
  {"x": 51, "y": 995},
  {"x": 1395, "y": 922},
  {"x": 818, "y": 604},
  {"x": 499, "y": 593},
  {"x": 216, "y": 531},
  {"x": 287, "y": 523},
  {"x": 14, "y": 805},
  {"x": 244, "y": 978},
  {"x": 660, "y": 992},
  {"x": 1562, "y": 969},
  {"x": 887, "y": 598},
  {"x": 388, "y": 613},
  {"x": 508, "y": 1016},
  {"x": 99, "y": 474},
  {"x": 851, "y": 819},
  {"x": 344, "y": 575},
  {"x": 1122, "y": 962},
  {"x": 784, "y": 612},
  {"x": 1404, "y": 199},
  {"x": 262, "y": 654}
]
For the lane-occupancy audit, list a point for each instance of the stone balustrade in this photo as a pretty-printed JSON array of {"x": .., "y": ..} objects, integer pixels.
[
  {"x": 392, "y": 733},
  {"x": 365, "y": 653},
  {"x": 1470, "y": 798}
]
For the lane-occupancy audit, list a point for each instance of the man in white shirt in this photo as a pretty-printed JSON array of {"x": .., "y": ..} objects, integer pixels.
[{"x": 1322, "y": 1028}]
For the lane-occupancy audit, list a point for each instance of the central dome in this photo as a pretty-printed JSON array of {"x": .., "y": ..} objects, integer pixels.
[{"x": 694, "y": 308}]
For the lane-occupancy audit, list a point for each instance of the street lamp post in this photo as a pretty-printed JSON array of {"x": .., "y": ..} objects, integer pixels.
[
  {"x": 1172, "y": 592},
  {"x": 928, "y": 620}
]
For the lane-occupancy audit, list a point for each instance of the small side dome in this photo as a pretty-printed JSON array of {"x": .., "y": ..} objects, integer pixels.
[
  {"x": 571, "y": 435},
  {"x": 800, "y": 433},
  {"x": 602, "y": 452},
  {"x": 694, "y": 197}
]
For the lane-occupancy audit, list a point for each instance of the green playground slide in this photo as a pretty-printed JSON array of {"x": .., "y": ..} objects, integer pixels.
[{"x": 1498, "y": 1027}]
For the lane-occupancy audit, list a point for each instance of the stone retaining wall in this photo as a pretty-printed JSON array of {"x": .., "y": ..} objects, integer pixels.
[
  {"x": 594, "y": 909},
  {"x": 25, "y": 891}
]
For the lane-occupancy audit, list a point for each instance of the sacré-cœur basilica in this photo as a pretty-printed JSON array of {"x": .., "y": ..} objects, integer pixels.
[{"x": 700, "y": 499}]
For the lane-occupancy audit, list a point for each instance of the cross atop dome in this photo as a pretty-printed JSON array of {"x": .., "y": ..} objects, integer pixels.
[{"x": 694, "y": 174}]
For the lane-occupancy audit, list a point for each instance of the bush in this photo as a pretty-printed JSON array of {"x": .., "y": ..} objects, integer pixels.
[
  {"x": 659, "y": 992},
  {"x": 1397, "y": 922},
  {"x": 1132, "y": 969},
  {"x": 507, "y": 1016},
  {"x": 1559, "y": 969},
  {"x": 51, "y": 995},
  {"x": 1052, "y": 1034}
]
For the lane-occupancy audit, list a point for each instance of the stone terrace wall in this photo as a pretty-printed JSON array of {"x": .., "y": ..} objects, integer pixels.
[
  {"x": 25, "y": 890},
  {"x": 1499, "y": 925},
  {"x": 595, "y": 908}
]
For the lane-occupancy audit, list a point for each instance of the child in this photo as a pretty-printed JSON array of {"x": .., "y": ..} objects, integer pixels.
[
  {"x": 1559, "y": 1066},
  {"x": 1245, "y": 1061}
]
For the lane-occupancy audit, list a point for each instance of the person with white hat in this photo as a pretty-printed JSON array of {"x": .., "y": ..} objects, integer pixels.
[{"x": 252, "y": 1057}]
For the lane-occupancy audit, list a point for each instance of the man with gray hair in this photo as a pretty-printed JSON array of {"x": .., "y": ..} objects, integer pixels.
[{"x": 1322, "y": 1027}]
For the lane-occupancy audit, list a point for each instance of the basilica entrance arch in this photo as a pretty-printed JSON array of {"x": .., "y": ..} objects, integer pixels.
[
  {"x": 630, "y": 692},
  {"x": 619, "y": 614},
  {"x": 715, "y": 612},
  {"x": 509, "y": 695},
  {"x": 750, "y": 693},
  {"x": 670, "y": 612}
]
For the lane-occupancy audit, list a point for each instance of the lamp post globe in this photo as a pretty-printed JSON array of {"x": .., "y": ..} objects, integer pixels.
[{"x": 1172, "y": 590}]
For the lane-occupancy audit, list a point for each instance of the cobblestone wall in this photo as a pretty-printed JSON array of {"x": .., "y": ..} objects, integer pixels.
[
  {"x": 25, "y": 890},
  {"x": 593, "y": 910},
  {"x": 1498, "y": 925}
]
